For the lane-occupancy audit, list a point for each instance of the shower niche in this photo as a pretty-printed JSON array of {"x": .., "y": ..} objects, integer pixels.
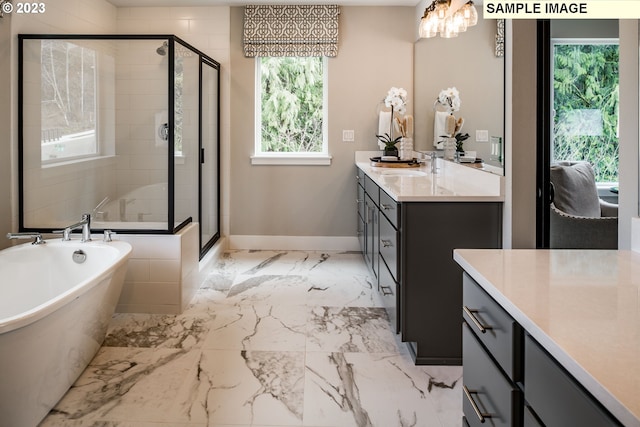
[{"x": 124, "y": 127}]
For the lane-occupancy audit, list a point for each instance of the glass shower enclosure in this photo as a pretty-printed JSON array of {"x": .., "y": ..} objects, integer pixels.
[{"x": 123, "y": 127}]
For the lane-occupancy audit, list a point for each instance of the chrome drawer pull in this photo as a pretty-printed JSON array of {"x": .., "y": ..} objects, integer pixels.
[
  {"x": 386, "y": 207},
  {"x": 384, "y": 290},
  {"x": 359, "y": 200},
  {"x": 474, "y": 319},
  {"x": 386, "y": 243},
  {"x": 474, "y": 405}
]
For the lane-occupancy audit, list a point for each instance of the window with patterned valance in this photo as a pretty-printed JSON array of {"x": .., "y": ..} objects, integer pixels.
[{"x": 291, "y": 30}]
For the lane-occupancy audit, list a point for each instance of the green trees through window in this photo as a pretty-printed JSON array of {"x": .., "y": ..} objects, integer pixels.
[
  {"x": 291, "y": 97},
  {"x": 68, "y": 100},
  {"x": 585, "y": 101}
]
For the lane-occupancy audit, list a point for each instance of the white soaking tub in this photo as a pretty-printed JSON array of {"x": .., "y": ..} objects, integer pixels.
[{"x": 54, "y": 314}]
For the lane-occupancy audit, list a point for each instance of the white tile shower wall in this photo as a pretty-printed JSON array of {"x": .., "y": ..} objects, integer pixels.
[
  {"x": 64, "y": 193},
  {"x": 207, "y": 29},
  {"x": 162, "y": 272},
  {"x": 141, "y": 95}
]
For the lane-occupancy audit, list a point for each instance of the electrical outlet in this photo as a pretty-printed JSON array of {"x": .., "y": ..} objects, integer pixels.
[
  {"x": 348, "y": 135},
  {"x": 482, "y": 136}
]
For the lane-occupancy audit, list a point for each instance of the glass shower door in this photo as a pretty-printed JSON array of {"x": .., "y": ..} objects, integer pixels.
[{"x": 209, "y": 157}]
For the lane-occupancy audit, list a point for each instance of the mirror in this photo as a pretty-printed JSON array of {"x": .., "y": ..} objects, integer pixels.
[{"x": 468, "y": 63}]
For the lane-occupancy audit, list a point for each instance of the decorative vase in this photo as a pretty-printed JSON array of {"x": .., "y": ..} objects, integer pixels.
[
  {"x": 449, "y": 148},
  {"x": 406, "y": 149},
  {"x": 391, "y": 151}
]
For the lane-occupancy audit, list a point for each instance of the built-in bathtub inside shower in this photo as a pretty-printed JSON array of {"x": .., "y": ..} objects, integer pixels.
[{"x": 125, "y": 128}]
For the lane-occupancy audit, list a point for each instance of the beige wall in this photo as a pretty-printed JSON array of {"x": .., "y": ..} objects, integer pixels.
[
  {"x": 629, "y": 87},
  {"x": 6, "y": 141},
  {"x": 521, "y": 153},
  {"x": 375, "y": 53}
]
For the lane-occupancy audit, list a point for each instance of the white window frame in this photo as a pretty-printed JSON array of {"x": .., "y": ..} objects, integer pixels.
[{"x": 296, "y": 158}]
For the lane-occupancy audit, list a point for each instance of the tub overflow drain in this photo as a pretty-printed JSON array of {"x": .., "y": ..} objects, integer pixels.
[{"x": 79, "y": 256}]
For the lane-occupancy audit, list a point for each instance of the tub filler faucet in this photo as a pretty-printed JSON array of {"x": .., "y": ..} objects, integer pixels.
[
  {"x": 37, "y": 237},
  {"x": 85, "y": 224}
]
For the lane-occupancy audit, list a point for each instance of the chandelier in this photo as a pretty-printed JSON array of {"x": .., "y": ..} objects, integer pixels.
[{"x": 439, "y": 17}]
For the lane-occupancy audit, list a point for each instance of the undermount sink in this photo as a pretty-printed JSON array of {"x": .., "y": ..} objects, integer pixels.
[{"x": 402, "y": 172}]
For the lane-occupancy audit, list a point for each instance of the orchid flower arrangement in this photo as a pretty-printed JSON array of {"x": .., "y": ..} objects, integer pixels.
[
  {"x": 397, "y": 99},
  {"x": 450, "y": 98}
]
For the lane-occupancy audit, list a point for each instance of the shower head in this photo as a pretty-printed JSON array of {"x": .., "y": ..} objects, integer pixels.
[{"x": 162, "y": 50}]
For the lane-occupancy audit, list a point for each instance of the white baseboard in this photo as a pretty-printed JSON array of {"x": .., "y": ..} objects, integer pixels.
[{"x": 300, "y": 243}]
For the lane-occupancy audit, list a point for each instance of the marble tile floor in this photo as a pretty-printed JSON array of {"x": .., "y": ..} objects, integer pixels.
[{"x": 272, "y": 338}]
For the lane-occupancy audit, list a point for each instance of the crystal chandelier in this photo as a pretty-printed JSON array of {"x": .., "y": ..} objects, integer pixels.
[{"x": 439, "y": 17}]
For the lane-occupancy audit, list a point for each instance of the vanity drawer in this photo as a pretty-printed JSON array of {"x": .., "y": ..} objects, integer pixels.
[
  {"x": 390, "y": 208},
  {"x": 388, "y": 246},
  {"x": 489, "y": 398},
  {"x": 372, "y": 190},
  {"x": 360, "y": 201},
  {"x": 555, "y": 397},
  {"x": 494, "y": 327},
  {"x": 360, "y": 176},
  {"x": 388, "y": 289}
]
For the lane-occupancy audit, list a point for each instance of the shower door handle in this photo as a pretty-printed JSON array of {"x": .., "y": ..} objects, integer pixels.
[{"x": 202, "y": 155}]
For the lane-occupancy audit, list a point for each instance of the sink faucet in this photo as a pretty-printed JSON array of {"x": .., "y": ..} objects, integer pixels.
[
  {"x": 434, "y": 162},
  {"x": 85, "y": 224}
]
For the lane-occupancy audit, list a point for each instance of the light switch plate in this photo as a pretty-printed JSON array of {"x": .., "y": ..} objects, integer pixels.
[
  {"x": 482, "y": 136},
  {"x": 348, "y": 135}
]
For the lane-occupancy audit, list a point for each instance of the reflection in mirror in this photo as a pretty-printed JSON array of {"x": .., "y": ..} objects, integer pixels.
[{"x": 470, "y": 64}]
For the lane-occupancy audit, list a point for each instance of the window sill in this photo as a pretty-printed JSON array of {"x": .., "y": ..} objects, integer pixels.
[{"x": 291, "y": 160}]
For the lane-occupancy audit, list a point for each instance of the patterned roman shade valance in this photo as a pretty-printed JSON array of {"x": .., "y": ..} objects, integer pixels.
[{"x": 291, "y": 30}]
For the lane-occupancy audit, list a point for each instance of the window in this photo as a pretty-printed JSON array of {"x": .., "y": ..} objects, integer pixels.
[
  {"x": 585, "y": 102},
  {"x": 68, "y": 107},
  {"x": 290, "y": 111}
]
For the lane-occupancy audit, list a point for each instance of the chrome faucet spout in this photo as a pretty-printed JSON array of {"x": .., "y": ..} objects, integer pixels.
[
  {"x": 84, "y": 224},
  {"x": 37, "y": 237}
]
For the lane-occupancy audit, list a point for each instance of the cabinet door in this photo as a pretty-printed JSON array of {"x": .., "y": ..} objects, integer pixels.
[
  {"x": 389, "y": 245},
  {"x": 361, "y": 234},
  {"x": 360, "y": 200},
  {"x": 489, "y": 398},
  {"x": 389, "y": 293},
  {"x": 494, "y": 327},
  {"x": 371, "y": 235},
  {"x": 555, "y": 397}
]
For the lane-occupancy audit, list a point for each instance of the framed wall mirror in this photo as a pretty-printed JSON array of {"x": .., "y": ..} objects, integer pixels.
[{"x": 473, "y": 63}]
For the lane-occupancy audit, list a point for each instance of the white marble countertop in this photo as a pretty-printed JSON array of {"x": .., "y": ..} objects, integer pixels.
[
  {"x": 451, "y": 183},
  {"x": 582, "y": 306}
]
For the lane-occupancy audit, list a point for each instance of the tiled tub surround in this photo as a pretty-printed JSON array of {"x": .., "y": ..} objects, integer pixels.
[
  {"x": 271, "y": 339},
  {"x": 581, "y": 306},
  {"x": 162, "y": 276}
]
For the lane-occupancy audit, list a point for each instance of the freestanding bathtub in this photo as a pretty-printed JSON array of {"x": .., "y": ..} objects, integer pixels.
[{"x": 54, "y": 314}]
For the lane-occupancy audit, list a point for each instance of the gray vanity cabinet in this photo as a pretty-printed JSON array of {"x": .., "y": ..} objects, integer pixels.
[
  {"x": 389, "y": 250},
  {"x": 409, "y": 248},
  {"x": 510, "y": 380},
  {"x": 431, "y": 281}
]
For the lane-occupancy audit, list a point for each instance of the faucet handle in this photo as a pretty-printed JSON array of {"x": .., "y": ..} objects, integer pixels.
[
  {"x": 107, "y": 236},
  {"x": 66, "y": 234}
]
